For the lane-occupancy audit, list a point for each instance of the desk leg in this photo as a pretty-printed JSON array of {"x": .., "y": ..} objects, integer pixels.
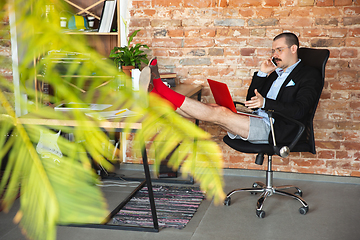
[
  {"x": 150, "y": 189},
  {"x": 199, "y": 99}
]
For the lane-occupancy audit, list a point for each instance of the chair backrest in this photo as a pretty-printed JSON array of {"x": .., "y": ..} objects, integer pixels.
[{"x": 316, "y": 58}]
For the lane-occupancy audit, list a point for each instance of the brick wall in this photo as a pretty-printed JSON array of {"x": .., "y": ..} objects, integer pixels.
[{"x": 227, "y": 39}]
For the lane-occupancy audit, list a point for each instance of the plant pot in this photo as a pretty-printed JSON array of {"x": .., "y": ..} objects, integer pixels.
[{"x": 126, "y": 69}]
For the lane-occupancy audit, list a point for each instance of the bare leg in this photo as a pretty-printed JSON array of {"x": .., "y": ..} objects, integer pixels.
[
  {"x": 231, "y": 122},
  {"x": 188, "y": 107}
]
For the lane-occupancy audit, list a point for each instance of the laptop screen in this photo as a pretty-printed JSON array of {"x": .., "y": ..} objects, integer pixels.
[{"x": 221, "y": 94}]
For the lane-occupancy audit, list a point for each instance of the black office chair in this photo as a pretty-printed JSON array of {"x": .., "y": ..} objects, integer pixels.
[{"x": 313, "y": 57}]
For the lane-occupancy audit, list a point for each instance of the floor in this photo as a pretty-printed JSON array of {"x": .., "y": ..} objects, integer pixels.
[{"x": 334, "y": 213}]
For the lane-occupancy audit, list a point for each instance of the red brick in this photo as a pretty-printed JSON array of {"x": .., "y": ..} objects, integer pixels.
[
  {"x": 198, "y": 4},
  {"x": 242, "y": 3},
  {"x": 139, "y": 23},
  {"x": 264, "y": 12},
  {"x": 323, "y": 42},
  {"x": 175, "y": 33},
  {"x": 272, "y": 3},
  {"x": 354, "y": 32},
  {"x": 227, "y": 72},
  {"x": 342, "y": 164},
  {"x": 343, "y": 155},
  {"x": 160, "y": 52},
  {"x": 299, "y": 22},
  {"x": 198, "y": 42},
  {"x": 231, "y": 51},
  {"x": 326, "y": 154},
  {"x": 167, "y": 43},
  {"x": 192, "y": 33},
  {"x": 343, "y": 2},
  {"x": 314, "y": 32},
  {"x": 328, "y": 145},
  {"x": 166, "y": 3},
  {"x": 324, "y": 3},
  {"x": 230, "y": 42},
  {"x": 326, "y": 12},
  {"x": 354, "y": 64},
  {"x": 226, "y": 61},
  {"x": 301, "y": 12},
  {"x": 251, "y": 62},
  {"x": 303, "y": 3},
  {"x": 348, "y": 125},
  {"x": 355, "y": 106},
  {"x": 232, "y": 32},
  {"x": 280, "y": 161},
  {"x": 351, "y": 21},
  {"x": 355, "y": 174},
  {"x": 247, "y": 51},
  {"x": 142, "y": 13},
  {"x": 260, "y": 42},
  {"x": 352, "y": 11},
  {"x": 338, "y": 32},
  {"x": 348, "y": 53},
  {"x": 351, "y": 135},
  {"x": 308, "y": 163},
  {"x": 156, "y": 23},
  {"x": 141, "y": 4},
  {"x": 348, "y": 75},
  {"x": 352, "y": 42},
  {"x": 245, "y": 12},
  {"x": 207, "y": 33},
  {"x": 344, "y": 86}
]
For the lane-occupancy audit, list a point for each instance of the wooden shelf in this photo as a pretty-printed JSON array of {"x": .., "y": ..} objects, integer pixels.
[
  {"x": 102, "y": 42},
  {"x": 93, "y": 33},
  {"x": 78, "y": 76}
]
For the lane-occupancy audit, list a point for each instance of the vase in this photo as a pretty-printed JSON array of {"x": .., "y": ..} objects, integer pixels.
[{"x": 126, "y": 70}]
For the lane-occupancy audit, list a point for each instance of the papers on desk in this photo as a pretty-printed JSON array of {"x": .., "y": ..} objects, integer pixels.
[
  {"x": 112, "y": 114},
  {"x": 81, "y": 106}
]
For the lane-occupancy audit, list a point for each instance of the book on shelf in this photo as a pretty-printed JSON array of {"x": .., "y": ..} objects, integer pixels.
[
  {"x": 170, "y": 78},
  {"x": 107, "y": 16},
  {"x": 167, "y": 75}
]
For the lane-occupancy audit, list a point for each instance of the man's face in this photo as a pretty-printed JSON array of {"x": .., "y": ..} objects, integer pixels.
[{"x": 284, "y": 55}]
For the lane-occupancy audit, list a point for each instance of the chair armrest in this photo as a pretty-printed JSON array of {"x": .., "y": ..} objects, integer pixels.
[{"x": 294, "y": 141}]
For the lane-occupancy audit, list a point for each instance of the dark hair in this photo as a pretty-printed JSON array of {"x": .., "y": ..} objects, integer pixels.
[{"x": 290, "y": 38}]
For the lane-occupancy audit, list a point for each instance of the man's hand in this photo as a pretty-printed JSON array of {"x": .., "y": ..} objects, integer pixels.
[
  {"x": 256, "y": 101},
  {"x": 267, "y": 66}
]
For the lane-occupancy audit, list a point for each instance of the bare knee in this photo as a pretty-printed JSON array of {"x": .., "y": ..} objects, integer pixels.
[{"x": 220, "y": 113}]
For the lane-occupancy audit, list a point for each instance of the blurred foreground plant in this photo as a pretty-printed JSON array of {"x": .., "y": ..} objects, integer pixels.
[{"x": 62, "y": 189}]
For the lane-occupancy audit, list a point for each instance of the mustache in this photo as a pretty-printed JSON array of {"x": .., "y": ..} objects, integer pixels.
[{"x": 276, "y": 59}]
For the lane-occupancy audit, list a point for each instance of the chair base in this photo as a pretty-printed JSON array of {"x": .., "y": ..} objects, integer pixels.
[{"x": 268, "y": 190}]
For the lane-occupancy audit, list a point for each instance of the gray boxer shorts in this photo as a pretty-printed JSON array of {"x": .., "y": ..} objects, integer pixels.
[{"x": 258, "y": 133}]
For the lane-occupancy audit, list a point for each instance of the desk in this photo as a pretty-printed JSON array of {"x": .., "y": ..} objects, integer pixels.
[
  {"x": 117, "y": 126},
  {"x": 184, "y": 89}
]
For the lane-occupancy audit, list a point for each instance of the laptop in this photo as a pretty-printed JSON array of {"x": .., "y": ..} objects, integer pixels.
[{"x": 223, "y": 98}]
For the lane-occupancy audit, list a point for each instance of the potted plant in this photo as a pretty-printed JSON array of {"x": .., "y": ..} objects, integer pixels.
[{"x": 129, "y": 55}]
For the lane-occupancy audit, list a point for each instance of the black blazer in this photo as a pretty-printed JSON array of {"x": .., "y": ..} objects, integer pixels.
[{"x": 295, "y": 100}]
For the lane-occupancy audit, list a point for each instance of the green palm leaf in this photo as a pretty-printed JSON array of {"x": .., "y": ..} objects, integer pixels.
[{"x": 63, "y": 190}]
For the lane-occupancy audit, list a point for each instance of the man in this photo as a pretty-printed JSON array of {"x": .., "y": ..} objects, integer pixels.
[{"x": 289, "y": 87}]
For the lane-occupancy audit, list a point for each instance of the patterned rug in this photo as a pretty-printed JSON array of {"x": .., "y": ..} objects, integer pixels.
[{"x": 175, "y": 206}]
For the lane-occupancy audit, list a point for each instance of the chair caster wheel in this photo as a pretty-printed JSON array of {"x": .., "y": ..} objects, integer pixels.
[
  {"x": 227, "y": 201},
  {"x": 303, "y": 210},
  {"x": 260, "y": 213}
]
